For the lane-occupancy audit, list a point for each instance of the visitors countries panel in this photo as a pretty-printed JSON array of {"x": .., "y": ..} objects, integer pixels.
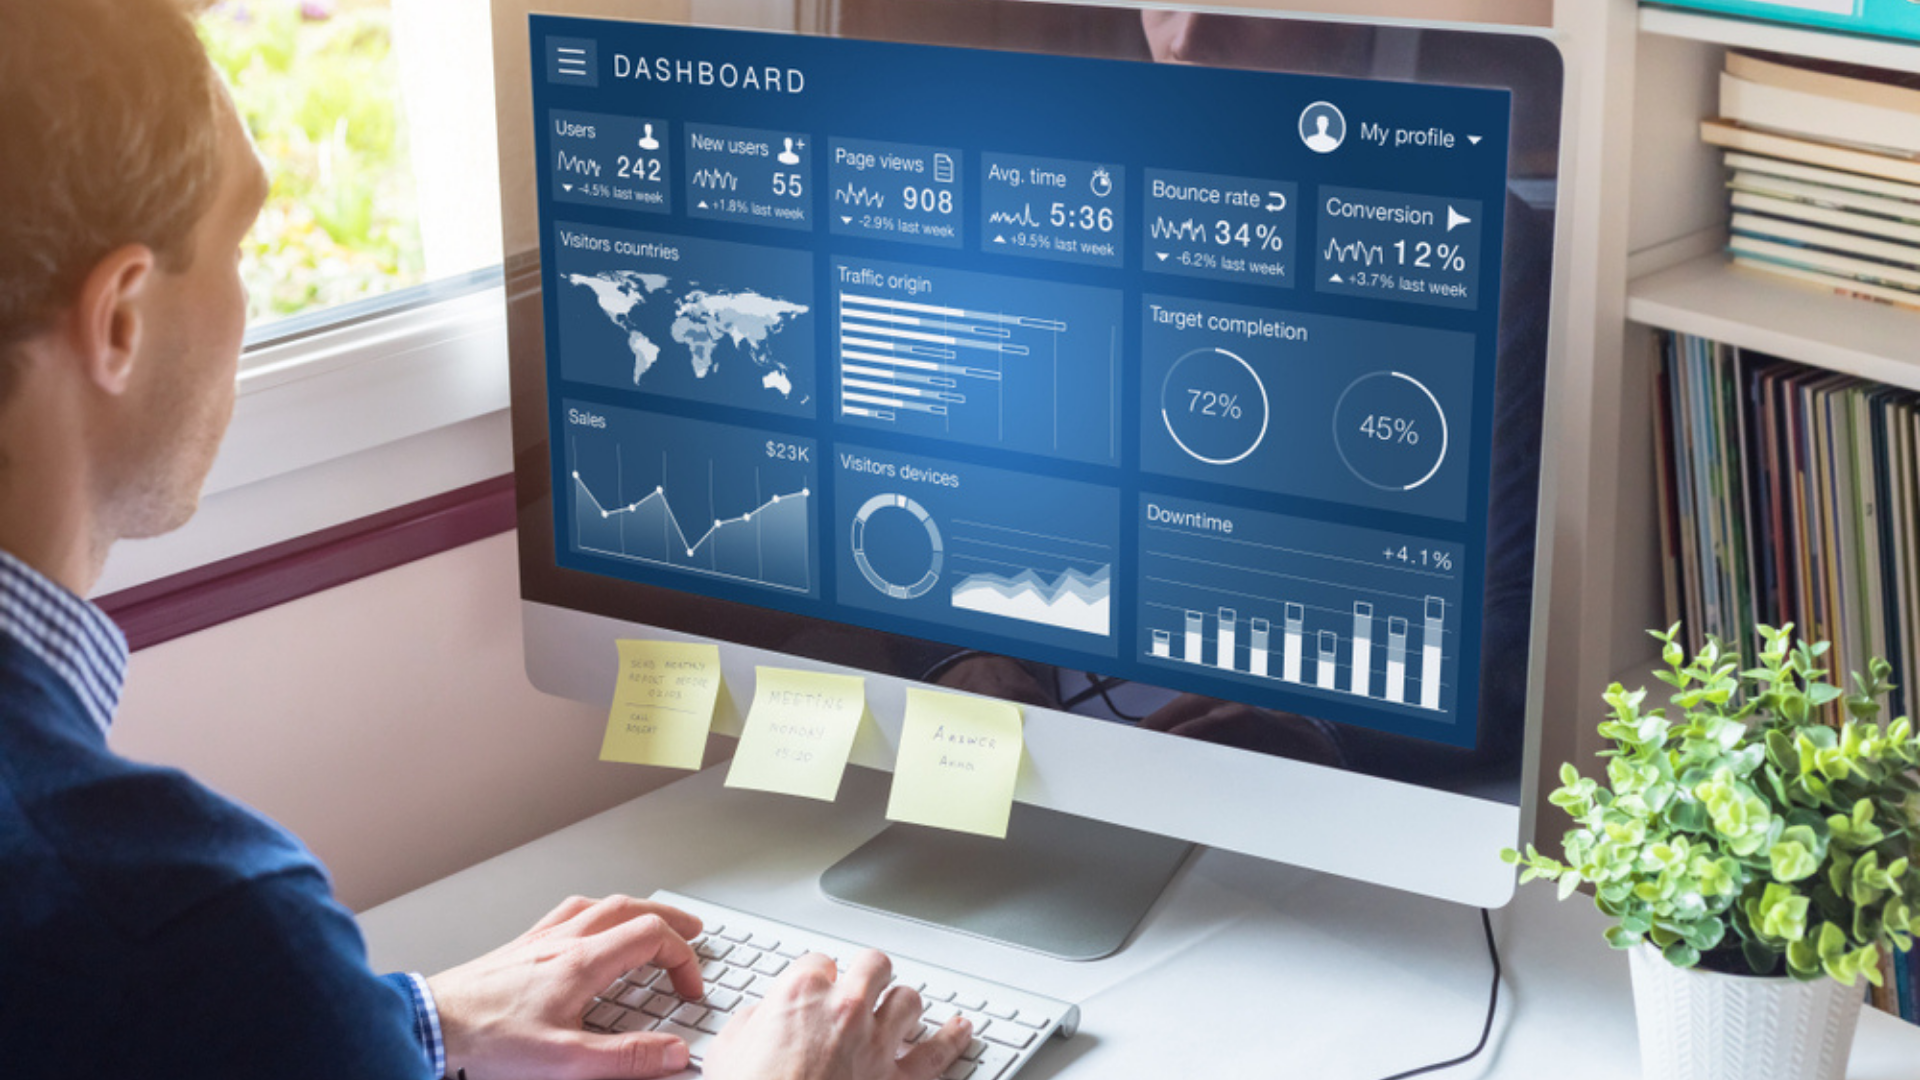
[{"x": 1178, "y": 374}]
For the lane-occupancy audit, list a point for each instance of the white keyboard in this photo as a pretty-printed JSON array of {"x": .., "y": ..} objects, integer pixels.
[{"x": 741, "y": 955}]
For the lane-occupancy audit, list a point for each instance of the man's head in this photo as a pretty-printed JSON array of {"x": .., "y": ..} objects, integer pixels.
[{"x": 126, "y": 186}]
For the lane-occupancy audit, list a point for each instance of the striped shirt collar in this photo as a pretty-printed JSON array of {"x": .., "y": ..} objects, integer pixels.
[{"x": 74, "y": 638}]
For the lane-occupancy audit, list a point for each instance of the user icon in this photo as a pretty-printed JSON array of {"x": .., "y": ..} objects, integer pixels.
[
  {"x": 787, "y": 156},
  {"x": 647, "y": 141},
  {"x": 1322, "y": 127}
]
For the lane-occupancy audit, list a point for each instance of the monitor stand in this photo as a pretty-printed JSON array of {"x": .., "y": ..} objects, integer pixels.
[{"x": 1066, "y": 886}]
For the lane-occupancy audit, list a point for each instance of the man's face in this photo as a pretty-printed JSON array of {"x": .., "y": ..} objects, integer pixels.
[{"x": 182, "y": 392}]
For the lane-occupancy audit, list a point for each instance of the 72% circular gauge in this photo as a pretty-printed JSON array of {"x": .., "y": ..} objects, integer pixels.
[{"x": 1215, "y": 406}]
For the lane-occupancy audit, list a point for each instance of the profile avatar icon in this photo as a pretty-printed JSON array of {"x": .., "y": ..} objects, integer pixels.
[
  {"x": 647, "y": 141},
  {"x": 1322, "y": 127},
  {"x": 787, "y": 156}
]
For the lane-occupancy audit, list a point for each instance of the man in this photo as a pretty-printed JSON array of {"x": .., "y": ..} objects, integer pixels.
[{"x": 149, "y": 927}]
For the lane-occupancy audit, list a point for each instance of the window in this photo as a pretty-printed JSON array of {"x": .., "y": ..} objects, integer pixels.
[{"x": 375, "y": 120}]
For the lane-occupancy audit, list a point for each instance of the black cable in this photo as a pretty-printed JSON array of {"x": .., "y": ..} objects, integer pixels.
[
  {"x": 1493, "y": 1003},
  {"x": 1107, "y": 697},
  {"x": 1091, "y": 690}
]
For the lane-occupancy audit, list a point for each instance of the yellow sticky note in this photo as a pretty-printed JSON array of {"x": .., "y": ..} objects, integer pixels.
[
  {"x": 959, "y": 757},
  {"x": 662, "y": 704},
  {"x": 798, "y": 733}
]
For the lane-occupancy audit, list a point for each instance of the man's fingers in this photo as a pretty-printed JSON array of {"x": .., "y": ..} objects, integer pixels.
[
  {"x": 640, "y": 1055},
  {"x": 937, "y": 1051},
  {"x": 868, "y": 973},
  {"x": 571, "y": 906},
  {"x": 605, "y": 914},
  {"x": 899, "y": 1012},
  {"x": 647, "y": 939}
]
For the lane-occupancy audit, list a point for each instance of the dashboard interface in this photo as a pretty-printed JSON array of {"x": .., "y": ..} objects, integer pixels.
[{"x": 1176, "y": 374}]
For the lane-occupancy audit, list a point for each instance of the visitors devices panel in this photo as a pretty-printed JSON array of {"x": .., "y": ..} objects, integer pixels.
[{"x": 1172, "y": 373}]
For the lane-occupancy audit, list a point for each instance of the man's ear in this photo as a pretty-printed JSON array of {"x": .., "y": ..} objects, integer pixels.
[{"x": 107, "y": 321}]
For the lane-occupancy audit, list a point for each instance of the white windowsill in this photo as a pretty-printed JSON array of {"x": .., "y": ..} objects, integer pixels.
[{"x": 342, "y": 424}]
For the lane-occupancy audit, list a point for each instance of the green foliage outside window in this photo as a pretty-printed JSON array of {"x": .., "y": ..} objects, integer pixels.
[{"x": 317, "y": 85}]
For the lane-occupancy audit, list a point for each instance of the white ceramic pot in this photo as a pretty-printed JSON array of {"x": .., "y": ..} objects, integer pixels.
[{"x": 1702, "y": 1025}]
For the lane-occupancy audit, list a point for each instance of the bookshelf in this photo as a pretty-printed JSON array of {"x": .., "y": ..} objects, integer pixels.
[
  {"x": 1709, "y": 297},
  {"x": 1644, "y": 218}
]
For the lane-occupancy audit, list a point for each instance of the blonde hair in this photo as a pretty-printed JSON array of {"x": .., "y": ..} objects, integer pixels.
[{"x": 109, "y": 136}]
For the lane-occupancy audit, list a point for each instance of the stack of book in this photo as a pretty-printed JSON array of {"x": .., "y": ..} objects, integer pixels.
[
  {"x": 1825, "y": 163},
  {"x": 1789, "y": 494}
]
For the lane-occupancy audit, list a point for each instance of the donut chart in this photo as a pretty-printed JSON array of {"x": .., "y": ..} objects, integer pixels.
[{"x": 935, "y": 543}]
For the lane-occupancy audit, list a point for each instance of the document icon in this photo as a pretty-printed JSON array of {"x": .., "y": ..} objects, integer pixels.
[{"x": 942, "y": 169}]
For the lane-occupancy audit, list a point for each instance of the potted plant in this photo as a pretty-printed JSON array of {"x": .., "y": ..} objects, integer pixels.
[{"x": 1757, "y": 861}]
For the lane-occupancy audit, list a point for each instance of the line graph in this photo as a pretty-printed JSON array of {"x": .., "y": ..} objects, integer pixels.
[
  {"x": 705, "y": 499},
  {"x": 1355, "y": 251}
]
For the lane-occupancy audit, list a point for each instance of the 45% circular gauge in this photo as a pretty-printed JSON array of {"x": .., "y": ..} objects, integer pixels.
[{"x": 1390, "y": 431}]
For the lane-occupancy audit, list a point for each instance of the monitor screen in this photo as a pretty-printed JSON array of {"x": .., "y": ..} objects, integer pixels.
[{"x": 1200, "y": 397}]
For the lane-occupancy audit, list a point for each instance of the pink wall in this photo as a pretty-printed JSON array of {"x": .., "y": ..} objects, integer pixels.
[{"x": 388, "y": 723}]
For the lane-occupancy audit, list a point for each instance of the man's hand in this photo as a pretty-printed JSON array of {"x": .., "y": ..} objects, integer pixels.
[
  {"x": 514, "y": 1014},
  {"x": 815, "y": 1026}
]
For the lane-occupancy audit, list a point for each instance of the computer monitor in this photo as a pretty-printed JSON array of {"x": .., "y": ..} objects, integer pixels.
[{"x": 1178, "y": 375}]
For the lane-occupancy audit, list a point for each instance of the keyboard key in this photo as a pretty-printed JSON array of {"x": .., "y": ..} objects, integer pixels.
[
  {"x": 632, "y": 996},
  {"x": 736, "y": 979},
  {"x": 744, "y": 957},
  {"x": 938, "y": 1013},
  {"x": 735, "y": 934},
  {"x": 761, "y": 986},
  {"x": 603, "y": 1015},
  {"x": 697, "y": 1041},
  {"x": 633, "y": 1021},
  {"x": 970, "y": 1002},
  {"x": 973, "y": 1051},
  {"x": 688, "y": 1014},
  {"x": 1001, "y": 1012},
  {"x": 764, "y": 942},
  {"x": 713, "y": 1022},
  {"x": 981, "y": 1025},
  {"x": 713, "y": 950},
  {"x": 641, "y": 976},
  {"x": 713, "y": 969},
  {"x": 920, "y": 1033},
  {"x": 960, "y": 1070},
  {"x": 771, "y": 964},
  {"x": 993, "y": 1063},
  {"x": 936, "y": 993},
  {"x": 792, "y": 950},
  {"x": 662, "y": 1005},
  {"x": 1018, "y": 1038},
  {"x": 1034, "y": 1020},
  {"x": 722, "y": 999}
]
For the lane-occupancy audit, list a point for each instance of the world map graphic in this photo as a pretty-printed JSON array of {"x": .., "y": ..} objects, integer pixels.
[{"x": 646, "y": 307}]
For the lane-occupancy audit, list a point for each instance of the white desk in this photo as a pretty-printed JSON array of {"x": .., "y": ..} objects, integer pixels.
[{"x": 1272, "y": 971}]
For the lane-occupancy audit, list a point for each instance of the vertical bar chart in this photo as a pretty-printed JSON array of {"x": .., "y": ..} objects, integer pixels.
[{"x": 1220, "y": 579}]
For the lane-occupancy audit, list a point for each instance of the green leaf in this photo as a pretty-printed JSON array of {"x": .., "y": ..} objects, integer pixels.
[
  {"x": 1680, "y": 954},
  {"x": 1792, "y": 861}
]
